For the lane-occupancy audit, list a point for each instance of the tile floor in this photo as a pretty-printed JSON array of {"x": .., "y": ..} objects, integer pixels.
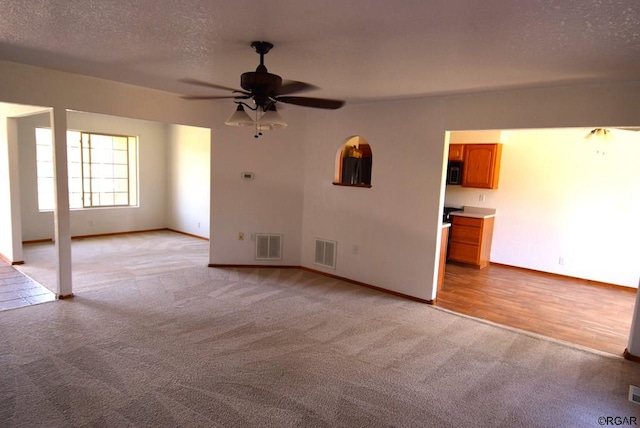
[{"x": 17, "y": 290}]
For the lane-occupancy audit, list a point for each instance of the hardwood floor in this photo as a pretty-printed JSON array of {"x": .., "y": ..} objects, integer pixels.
[{"x": 582, "y": 312}]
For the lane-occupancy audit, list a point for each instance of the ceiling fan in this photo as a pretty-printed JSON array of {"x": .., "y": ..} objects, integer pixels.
[
  {"x": 603, "y": 133},
  {"x": 263, "y": 90}
]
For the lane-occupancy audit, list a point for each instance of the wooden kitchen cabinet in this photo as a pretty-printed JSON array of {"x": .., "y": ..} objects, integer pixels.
[
  {"x": 481, "y": 165},
  {"x": 470, "y": 240},
  {"x": 456, "y": 152}
]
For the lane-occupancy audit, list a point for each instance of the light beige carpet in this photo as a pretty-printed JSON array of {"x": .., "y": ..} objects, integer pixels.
[{"x": 196, "y": 346}]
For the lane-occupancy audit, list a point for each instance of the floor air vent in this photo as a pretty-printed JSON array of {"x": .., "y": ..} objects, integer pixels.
[
  {"x": 268, "y": 247},
  {"x": 325, "y": 254},
  {"x": 634, "y": 394}
]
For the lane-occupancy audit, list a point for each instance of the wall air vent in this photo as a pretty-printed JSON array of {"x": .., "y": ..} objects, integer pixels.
[
  {"x": 268, "y": 246},
  {"x": 634, "y": 394},
  {"x": 325, "y": 254}
]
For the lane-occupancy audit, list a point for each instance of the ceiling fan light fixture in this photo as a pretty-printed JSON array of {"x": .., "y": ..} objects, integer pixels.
[
  {"x": 240, "y": 118},
  {"x": 271, "y": 119},
  {"x": 262, "y": 90},
  {"x": 601, "y": 133}
]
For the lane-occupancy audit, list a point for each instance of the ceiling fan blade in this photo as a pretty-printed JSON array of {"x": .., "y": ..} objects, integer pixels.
[
  {"x": 313, "y": 102},
  {"x": 292, "y": 86},
  {"x": 210, "y": 97},
  {"x": 210, "y": 85}
]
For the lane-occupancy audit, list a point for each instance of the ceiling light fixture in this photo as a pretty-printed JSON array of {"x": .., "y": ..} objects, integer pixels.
[
  {"x": 599, "y": 132},
  {"x": 239, "y": 117},
  {"x": 269, "y": 120},
  {"x": 602, "y": 137}
]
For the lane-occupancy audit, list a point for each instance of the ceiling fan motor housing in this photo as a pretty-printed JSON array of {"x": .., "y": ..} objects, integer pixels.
[
  {"x": 261, "y": 85},
  {"x": 258, "y": 82},
  {"x": 265, "y": 89}
]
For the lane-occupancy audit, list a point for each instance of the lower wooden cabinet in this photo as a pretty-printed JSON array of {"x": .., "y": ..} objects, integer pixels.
[
  {"x": 470, "y": 240},
  {"x": 443, "y": 256}
]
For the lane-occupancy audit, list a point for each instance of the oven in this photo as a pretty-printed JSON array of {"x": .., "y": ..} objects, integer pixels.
[{"x": 446, "y": 213}]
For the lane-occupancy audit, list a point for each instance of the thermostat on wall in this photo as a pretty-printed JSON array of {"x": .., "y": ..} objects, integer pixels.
[{"x": 247, "y": 175}]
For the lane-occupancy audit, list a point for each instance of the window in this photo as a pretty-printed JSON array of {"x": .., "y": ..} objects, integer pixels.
[{"x": 102, "y": 170}]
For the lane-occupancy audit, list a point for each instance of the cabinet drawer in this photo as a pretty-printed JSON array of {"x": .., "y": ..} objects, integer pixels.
[
  {"x": 464, "y": 253},
  {"x": 466, "y": 221},
  {"x": 466, "y": 234}
]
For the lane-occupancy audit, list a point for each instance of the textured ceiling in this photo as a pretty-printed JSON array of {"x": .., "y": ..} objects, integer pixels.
[{"x": 357, "y": 49}]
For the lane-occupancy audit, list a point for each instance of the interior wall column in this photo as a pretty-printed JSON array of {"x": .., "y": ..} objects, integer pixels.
[
  {"x": 211, "y": 196},
  {"x": 61, "y": 213},
  {"x": 16, "y": 255},
  {"x": 633, "y": 349}
]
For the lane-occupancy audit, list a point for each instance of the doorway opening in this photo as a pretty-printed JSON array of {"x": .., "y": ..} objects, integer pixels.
[{"x": 560, "y": 209}]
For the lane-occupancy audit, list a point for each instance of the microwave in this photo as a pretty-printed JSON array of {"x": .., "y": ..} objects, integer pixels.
[{"x": 454, "y": 173}]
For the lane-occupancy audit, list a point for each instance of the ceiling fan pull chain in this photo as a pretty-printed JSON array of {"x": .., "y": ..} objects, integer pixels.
[{"x": 258, "y": 133}]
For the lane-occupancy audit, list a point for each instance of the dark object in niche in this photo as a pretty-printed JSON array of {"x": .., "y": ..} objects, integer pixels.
[{"x": 356, "y": 168}]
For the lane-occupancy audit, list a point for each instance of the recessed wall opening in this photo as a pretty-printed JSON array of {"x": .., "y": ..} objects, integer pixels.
[{"x": 354, "y": 162}]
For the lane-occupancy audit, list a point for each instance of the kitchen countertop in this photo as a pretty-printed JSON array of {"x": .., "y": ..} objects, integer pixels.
[{"x": 475, "y": 212}]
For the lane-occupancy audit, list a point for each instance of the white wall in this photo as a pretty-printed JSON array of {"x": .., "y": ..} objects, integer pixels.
[
  {"x": 23, "y": 84},
  {"x": 395, "y": 222},
  {"x": 150, "y": 214},
  {"x": 10, "y": 219},
  {"x": 270, "y": 203},
  {"x": 6, "y": 222},
  {"x": 563, "y": 196},
  {"x": 188, "y": 187},
  {"x": 469, "y": 137}
]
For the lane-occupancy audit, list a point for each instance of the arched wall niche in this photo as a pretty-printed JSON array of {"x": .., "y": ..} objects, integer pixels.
[{"x": 354, "y": 162}]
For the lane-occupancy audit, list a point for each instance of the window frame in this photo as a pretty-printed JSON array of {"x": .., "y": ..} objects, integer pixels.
[{"x": 84, "y": 174}]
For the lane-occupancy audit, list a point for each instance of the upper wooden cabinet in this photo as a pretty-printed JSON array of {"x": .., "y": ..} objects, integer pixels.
[
  {"x": 481, "y": 165},
  {"x": 456, "y": 152}
]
